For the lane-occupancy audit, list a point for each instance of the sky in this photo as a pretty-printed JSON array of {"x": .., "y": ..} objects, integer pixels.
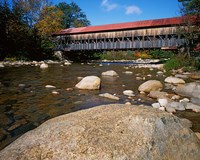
[{"x": 101, "y": 12}]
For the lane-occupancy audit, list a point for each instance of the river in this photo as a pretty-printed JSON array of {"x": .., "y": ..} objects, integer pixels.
[{"x": 25, "y": 103}]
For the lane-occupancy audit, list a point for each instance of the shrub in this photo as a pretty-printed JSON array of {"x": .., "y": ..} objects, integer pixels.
[
  {"x": 179, "y": 62},
  {"x": 162, "y": 54}
]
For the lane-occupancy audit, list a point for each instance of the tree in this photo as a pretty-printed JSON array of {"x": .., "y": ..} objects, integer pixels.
[
  {"x": 50, "y": 21},
  {"x": 73, "y": 16},
  {"x": 190, "y": 31}
]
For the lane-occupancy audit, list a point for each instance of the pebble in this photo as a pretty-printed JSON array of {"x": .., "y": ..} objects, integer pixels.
[
  {"x": 128, "y": 93},
  {"x": 162, "y": 108},
  {"x": 128, "y": 72},
  {"x": 142, "y": 92},
  {"x": 44, "y": 66},
  {"x": 55, "y": 92},
  {"x": 110, "y": 96},
  {"x": 163, "y": 102},
  {"x": 184, "y": 100},
  {"x": 49, "y": 86},
  {"x": 69, "y": 89},
  {"x": 175, "y": 97},
  {"x": 21, "y": 85},
  {"x": 128, "y": 103},
  {"x": 156, "y": 105}
]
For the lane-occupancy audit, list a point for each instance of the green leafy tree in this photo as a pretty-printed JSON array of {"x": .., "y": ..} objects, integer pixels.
[
  {"x": 190, "y": 31},
  {"x": 73, "y": 16}
]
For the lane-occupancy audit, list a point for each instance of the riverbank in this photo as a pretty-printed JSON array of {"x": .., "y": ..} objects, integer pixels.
[{"x": 30, "y": 95}]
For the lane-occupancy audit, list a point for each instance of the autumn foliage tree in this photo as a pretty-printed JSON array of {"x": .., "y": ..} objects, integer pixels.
[{"x": 26, "y": 26}]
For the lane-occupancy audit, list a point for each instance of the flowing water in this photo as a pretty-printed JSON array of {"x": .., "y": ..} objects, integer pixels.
[{"x": 24, "y": 107}]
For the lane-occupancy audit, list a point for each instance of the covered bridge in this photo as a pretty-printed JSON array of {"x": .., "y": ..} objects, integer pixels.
[{"x": 158, "y": 33}]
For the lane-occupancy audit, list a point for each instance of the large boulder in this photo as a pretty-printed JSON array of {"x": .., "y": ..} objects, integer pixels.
[
  {"x": 189, "y": 90},
  {"x": 108, "y": 132},
  {"x": 174, "y": 80},
  {"x": 109, "y": 73},
  {"x": 150, "y": 85},
  {"x": 89, "y": 82}
]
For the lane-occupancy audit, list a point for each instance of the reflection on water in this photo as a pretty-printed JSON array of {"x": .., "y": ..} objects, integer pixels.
[{"x": 23, "y": 108}]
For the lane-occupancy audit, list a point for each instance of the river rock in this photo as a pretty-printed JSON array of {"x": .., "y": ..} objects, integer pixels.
[
  {"x": 189, "y": 90},
  {"x": 2, "y": 66},
  {"x": 193, "y": 107},
  {"x": 195, "y": 76},
  {"x": 174, "y": 80},
  {"x": 157, "y": 94},
  {"x": 128, "y": 93},
  {"x": 50, "y": 86},
  {"x": 89, "y": 82},
  {"x": 44, "y": 66},
  {"x": 108, "y": 132},
  {"x": 156, "y": 105},
  {"x": 162, "y": 108},
  {"x": 170, "y": 109},
  {"x": 109, "y": 73},
  {"x": 110, "y": 96},
  {"x": 176, "y": 105},
  {"x": 163, "y": 102},
  {"x": 195, "y": 101},
  {"x": 150, "y": 85},
  {"x": 128, "y": 72},
  {"x": 181, "y": 76}
]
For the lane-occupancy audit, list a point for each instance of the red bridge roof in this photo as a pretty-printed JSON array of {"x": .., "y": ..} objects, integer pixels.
[{"x": 123, "y": 26}]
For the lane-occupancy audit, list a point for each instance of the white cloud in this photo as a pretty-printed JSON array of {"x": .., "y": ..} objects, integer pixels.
[
  {"x": 133, "y": 10},
  {"x": 108, "y": 6}
]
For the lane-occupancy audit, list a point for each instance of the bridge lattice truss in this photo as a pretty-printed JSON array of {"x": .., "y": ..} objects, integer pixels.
[{"x": 146, "y": 38}]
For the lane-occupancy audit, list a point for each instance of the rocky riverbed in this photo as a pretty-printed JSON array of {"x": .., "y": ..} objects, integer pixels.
[{"x": 32, "y": 92}]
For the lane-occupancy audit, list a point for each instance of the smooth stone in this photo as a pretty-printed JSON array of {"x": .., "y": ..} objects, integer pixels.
[
  {"x": 195, "y": 101},
  {"x": 67, "y": 63},
  {"x": 189, "y": 90},
  {"x": 193, "y": 107},
  {"x": 163, "y": 102},
  {"x": 184, "y": 100},
  {"x": 55, "y": 92},
  {"x": 44, "y": 66},
  {"x": 156, "y": 105},
  {"x": 170, "y": 109},
  {"x": 175, "y": 97},
  {"x": 109, "y": 96},
  {"x": 128, "y": 103},
  {"x": 174, "y": 80},
  {"x": 160, "y": 72},
  {"x": 149, "y": 75},
  {"x": 69, "y": 89},
  {"x": 181, "y": 76},
  {"x": 142, "y": 92},
  {"x": 195, "y": 76},
  {"x": 79, "y": 78},
  {"x": 139, "y": 78},
  {"x": 128, "y": 93},
  {"x": 150, "y": 85},
  {"x": 157, "y": 94},
  {"x": 109, "y": 73},
  {"x": 128, "y": 72},
  {"x": 21, "y": 85},
  {"x": 176, "y": 105},
  {"x": 2, "y": 66},
  {"x": 50, "y": 86},
  {"x": 108, "y": 132},
  {"x": 162, "y": 108},
  {"x": 90, "y": 83}
]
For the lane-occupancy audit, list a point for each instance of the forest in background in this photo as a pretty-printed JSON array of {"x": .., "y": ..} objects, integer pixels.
[{"x": 26, "y": 27}]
